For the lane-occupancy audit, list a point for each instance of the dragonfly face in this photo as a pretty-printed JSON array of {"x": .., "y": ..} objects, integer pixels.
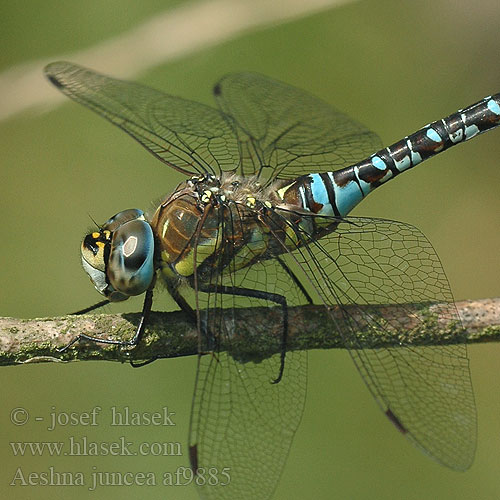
[
  {"x": 119, "y": 258},
  {"x": 254, "y": 228}
]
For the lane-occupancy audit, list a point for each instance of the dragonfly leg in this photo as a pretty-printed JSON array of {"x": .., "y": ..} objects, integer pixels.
[
  {"x": 146, "y": 309},
  {"x": 258, "y": 294},
  {"x": 185, "y": 307},
  {"x": 295, "y": 279},
  {"x": 90, "y": 308},
  {"x": 182, "y": 303}
]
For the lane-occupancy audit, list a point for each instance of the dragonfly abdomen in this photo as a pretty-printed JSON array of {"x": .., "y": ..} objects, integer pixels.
[
  {"x": 337, "y": 193},
  {"x": 430, "y": 140}
]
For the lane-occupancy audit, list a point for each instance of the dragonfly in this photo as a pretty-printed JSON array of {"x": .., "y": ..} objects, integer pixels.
[{"x": 262, "y": 220}]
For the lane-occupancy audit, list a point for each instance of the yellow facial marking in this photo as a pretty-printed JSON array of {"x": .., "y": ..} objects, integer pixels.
[
  {"x": 95, "y": 235},
  {"x": 100, "y": 244}
]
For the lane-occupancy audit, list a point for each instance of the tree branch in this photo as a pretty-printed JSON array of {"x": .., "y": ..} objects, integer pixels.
[{"x": 258, "y": 332}]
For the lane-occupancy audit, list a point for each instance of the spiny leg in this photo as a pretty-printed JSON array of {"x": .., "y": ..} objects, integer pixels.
[
  {"x": 90, "y": 308},
  {"x": 181, "y": 302},
  {"x": 146, "y": 310},
  {"x": 258, "y": 294},
  {"x": 185, "y": 307},
  {"x": 295, "y": 279}
]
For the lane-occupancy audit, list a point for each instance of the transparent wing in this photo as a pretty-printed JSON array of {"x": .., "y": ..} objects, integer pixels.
[
  {"x": 284, "y": 132},
  {"x": 241, "y": 422},
  {"x": 186, "y": 135},
  {"x": 244, "y": 424},
  {"x": 266, "y": 127},
  {"x": 426, "y": 390}
]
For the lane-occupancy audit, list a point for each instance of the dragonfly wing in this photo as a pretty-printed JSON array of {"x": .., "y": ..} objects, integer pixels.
[
  {"x": 243, "y": 425},
  {"x": 426, "y": 390},
  {"x": 186, "y": 135},
  {"x": 241, "y": 422},
  {"x": 287, "y": 130}
]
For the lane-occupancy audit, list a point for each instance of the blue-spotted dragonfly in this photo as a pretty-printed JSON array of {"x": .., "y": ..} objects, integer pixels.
[{"x": 251, "y": 226}]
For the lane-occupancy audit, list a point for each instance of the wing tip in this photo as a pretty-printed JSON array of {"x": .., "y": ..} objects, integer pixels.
[
  {"x": 193, "y": 458},
  {"x": 395, "y": 420},
  {"x": 54, "y": 69}
]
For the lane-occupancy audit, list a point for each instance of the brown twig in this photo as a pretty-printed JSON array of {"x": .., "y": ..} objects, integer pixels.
[{"x": 311, "y": 327}]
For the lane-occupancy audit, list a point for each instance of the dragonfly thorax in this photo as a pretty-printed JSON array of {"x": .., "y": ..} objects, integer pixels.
[
  {"x": 207, "y": 221},
  {"x": 119, "y": 257}
]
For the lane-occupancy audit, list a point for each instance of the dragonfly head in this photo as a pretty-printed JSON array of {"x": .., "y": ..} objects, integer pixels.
[{"x": 119, "y": 257}]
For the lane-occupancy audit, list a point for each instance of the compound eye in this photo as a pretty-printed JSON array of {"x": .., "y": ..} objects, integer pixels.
[
  {"x": 130, "y": 266},
  {"x": 119, "y": 258},
  {"x": 122, "y": 218}
]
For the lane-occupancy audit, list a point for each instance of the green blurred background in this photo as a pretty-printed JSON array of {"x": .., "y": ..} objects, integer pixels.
[{"x": 392, "y": 65}]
